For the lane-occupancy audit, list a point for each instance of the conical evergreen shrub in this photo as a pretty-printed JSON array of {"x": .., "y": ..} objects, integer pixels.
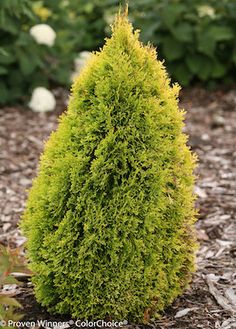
[{"x": 109, "y": 219}]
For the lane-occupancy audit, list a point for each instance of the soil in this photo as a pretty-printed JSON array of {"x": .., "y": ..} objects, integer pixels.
[{"x": 210, "y": 300}]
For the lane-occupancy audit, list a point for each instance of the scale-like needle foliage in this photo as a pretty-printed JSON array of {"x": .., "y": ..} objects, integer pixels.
[{"x": 109, "y": 219}]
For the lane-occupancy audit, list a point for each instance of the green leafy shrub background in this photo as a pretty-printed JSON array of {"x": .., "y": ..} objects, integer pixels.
[
  {"x": 109, "y": 219},
  {"x": 25, "y": 64},
  {"x": 22, "y": 60},
  {"x": 196, "y": 38}
]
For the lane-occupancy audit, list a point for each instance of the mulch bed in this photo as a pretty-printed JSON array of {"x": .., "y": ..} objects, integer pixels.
[{"x": 211, "y": 123}]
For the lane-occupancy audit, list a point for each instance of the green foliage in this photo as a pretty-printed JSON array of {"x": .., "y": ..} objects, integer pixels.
[
  {"x": 196, "y": 37},
  {"x": 77, "y": 27},
  {"x": 81, "y": 28},
  {"x": 10, "y": 261},
  {"x": 19, "y": 55},
  {"x": 25, "y": 64},
  {"x": 109, "y": 219}
]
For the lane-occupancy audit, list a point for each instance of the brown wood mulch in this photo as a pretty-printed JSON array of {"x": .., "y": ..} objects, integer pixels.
[{"x": 210, "y": 301}]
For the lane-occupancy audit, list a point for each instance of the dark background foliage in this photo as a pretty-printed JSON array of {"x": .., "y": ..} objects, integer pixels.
[{"x": 196, "y": 38}]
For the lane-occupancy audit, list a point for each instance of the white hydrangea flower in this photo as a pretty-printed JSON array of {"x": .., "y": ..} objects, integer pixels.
[
  {"x": 81, "y": 60},
  {"x": 79, "y": 63},
  {"x": 206, "y": 10},
  {"x": 42, "y": 100},
  {"x": 109, "y": 18},
  {"x": 43, "y": 34}
]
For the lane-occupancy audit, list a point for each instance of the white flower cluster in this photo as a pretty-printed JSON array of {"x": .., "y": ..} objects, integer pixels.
[
  {"x": 42, "y": 100},
  {"x": 109, "y": 18},
  {"x": 43, "y": 34},
  {"x": 79, "y": 63},
  {"x": 206, "y": 10}
]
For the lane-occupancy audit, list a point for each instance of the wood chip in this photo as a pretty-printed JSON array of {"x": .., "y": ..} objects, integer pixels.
[
  {"x": 181, "y": 313},
  {"x": 221, "y": 300}
]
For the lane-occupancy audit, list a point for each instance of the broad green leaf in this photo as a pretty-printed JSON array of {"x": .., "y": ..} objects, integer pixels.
[
  {"x": 149, "y": 30},
  {"x": 3, "y": 70},
  {"x": 24, "y": 39},
  {"x": 9, "y": 24},
  {"x": 171, "y": 13},
  {"x": 183, "y": 32},
  {"x": 206, "y": 68},
  {"x": 27, "y": 63},
  {"x": 193, "y": 62},
  {"x": 6, "y": 57},
  {"x": 3, "y": 52},
  {"x": 172, "y": 49},
  {"x": 196, "y": 62},
  {"x": 181, "y": 73},
  {"x": 206, "y": 44},
  {"x": 218, "y": 69},
  {"x": 221, "y": 33}
]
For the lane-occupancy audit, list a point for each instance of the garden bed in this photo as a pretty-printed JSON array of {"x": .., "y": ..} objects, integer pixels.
[{"x": 211, "y": 123}]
